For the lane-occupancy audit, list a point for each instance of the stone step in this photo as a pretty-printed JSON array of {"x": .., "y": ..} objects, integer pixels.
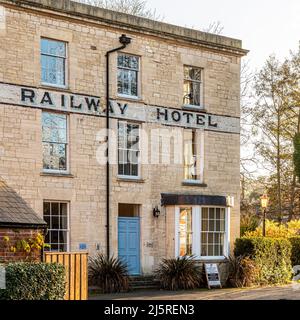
[{"x": 143, "y": 282}]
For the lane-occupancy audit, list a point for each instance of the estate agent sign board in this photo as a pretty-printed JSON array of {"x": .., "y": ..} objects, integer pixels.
[
  {"x": 212, "y": 275},
  {"x": 65, "y": 101}
]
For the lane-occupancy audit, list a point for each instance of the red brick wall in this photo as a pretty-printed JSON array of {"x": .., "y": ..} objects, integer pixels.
[{"x": 15, "y": 235}]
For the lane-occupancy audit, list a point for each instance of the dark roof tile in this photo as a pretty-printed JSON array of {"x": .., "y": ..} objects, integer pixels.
[{"x": 13, "y": 208}]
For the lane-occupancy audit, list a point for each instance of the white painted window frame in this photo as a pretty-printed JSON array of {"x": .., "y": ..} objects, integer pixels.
[
  {"x": 54, "y": 171},
  {"x": 68, "y": 222},
  {"x": 200, "y": 149},
  {"x": 66, "y": 65},
  {"x": 201, "y": 83},
  {"x": 128, "y": 177},
  {"x": 196, "y": 228},
  {"x": 128, "y": 96}
]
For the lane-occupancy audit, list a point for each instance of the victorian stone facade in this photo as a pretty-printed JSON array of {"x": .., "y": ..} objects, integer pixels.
[{"x": 174, "y": 107}]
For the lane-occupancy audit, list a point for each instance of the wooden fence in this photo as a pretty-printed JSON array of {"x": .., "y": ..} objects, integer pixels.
[{"x": 76, "y": 265}]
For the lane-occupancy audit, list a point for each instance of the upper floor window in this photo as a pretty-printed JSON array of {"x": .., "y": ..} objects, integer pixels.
[
  {"x": 128, "y": 75},
  {"x": 190, "y": 155},
  {"x": 53, "y": 62},
  {"x": 192, "y": 86},
  {"x": 193, "y": 154},
  {"x": 128, "y": 149},
  {"x": 55, "y": 141}
]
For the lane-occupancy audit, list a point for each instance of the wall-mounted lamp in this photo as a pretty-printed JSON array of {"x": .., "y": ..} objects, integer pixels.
[
  {"x": 124, "y": 39},
  {"x": 230, "y": 201},
  {"x": 156, "y": 212}
]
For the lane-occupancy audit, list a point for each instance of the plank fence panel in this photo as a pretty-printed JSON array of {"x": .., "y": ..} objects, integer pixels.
[{"x": 76, "y": 264}]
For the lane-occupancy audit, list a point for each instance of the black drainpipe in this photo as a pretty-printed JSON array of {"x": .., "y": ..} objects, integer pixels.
[{"x": 124, "y": 41}]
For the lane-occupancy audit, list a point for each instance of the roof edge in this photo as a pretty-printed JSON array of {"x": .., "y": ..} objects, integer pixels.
[{"x": 135, "y": 23}]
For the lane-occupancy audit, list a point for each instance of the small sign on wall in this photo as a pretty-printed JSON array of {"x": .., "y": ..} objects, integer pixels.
[
  {"x": 82, "y": 246},
  {"x": 212, "y": 275}
]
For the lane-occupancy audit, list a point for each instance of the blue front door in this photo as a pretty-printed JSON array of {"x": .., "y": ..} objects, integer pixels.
[{"x": 129, "y": 243}]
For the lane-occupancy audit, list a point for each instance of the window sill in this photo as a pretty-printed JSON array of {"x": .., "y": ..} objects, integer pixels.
[
  {"x": 56, "y": 87},
  {"x": 194, "y": 108},
  {"x": 56, "y": 174},
  {"x": 129, "y": 179},
  {"x": 129, "y": 98},
  {"x": 212, "y": 259},
  {"x": 193, "y": 183}
]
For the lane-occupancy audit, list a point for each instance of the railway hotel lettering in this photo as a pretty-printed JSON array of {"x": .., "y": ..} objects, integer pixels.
[{"x": 91, "y": 105}]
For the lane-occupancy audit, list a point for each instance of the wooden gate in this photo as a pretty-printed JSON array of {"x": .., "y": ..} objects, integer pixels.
[{"x": 76, "y": 265}]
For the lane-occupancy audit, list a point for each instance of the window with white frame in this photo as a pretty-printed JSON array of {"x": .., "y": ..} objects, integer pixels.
[
  {"x": 192, "y": 86},
  {"x": 193, "y": 154},
  {"x": 202, "y": 231},
  {"x": 128, "y": 75},
  {"x": 57, "y": 218},
  {"x": 53, "y": 62},
  {"x": 55, "y": 141},
  {"x": 185, "y": 232},
  {"x": 212, "y": 231},
  {"x": 128, "y": 149}
]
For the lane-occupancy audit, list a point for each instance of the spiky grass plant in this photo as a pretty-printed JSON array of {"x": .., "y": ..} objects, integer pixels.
[
  {"x": 179, "y": 274},
  {"x": 109, "y": 274}
]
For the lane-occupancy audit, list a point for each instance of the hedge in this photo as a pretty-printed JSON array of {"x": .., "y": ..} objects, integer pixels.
[
  {"x": 271, "y": 256},
  {"x": 34, "y": 281},
  {"x": 295, "y": 241}
]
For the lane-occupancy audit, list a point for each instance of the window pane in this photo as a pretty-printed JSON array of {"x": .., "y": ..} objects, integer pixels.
[
  {"x": 185, "y": 232},
  {"x": 56, "y": 48},
  {"x": 213, "y": 231},
  {"x": 55, "y": 222},
  {"x": 211, "y": 225},
  {"x": 53, "y": 70},
  {"x": 218, "y": 228},
  {"x": 63, "y": 209},
  {"x": 54, "y": 208},
  {"x": 210, "y": 251},
  {"x": 204, "y": 225},
  {"x": 128, "y": 153},
  {"x": 128, "y": 67},
  {"x": 211, "y": 213},
  {"x": 204, "y": 213},
  {"x": 210, "y": 238},
  {"x": 54, "y": 156},
  {"x": 63, "y": 222},
  {"x": 47, "y": 208},
  {"x": 192, "y": 86}
]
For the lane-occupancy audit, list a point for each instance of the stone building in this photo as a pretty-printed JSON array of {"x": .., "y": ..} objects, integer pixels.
[{"x": 174, "y": 143}]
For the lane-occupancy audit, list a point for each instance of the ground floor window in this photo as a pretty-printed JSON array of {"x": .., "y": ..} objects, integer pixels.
[
  {"x": 57, "y": 217},
  {"x": 202, "y": 231}
]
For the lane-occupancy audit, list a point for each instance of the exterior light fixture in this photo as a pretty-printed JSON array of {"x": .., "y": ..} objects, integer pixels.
[
  {"x": 125, "y": 40},
  {"x": 156, "y": 212},
  {"x": 264, "y": 200},
  {"x": 230, "y": 201}
]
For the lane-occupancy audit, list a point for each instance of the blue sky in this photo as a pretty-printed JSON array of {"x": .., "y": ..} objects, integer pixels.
[{"x": 264, "y": 26}]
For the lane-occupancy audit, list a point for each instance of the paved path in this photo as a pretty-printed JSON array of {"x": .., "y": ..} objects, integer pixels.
[{"x": 289, "y": 292}]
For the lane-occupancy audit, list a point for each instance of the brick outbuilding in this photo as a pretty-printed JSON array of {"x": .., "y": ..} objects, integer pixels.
[{"x": 18, "y": 222}]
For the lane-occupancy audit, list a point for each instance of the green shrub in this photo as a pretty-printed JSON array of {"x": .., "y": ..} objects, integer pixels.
[
  {"x": 295, "y": 241},
  {"x": 179, "y": 274},
  {"x": 271, "y": 256},
  {"x": 109, "y": 274},
  {"x": 34, "y": 281},
  {"x": 243, "y": 272}
]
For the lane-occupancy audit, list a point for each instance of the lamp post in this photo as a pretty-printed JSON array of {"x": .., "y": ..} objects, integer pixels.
[{"x": 264, "y": 204}]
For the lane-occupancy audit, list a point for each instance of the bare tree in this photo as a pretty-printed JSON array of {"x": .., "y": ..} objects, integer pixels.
[
  {"x": 133, "y": 7},
  {"x": 214, "y": 27}
]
